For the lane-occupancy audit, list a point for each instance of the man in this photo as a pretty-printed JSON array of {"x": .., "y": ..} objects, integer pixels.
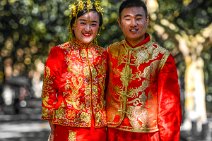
[{"x": 143, "y": 98}]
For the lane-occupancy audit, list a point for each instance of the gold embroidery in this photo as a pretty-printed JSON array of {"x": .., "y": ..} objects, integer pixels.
[
  {"x": 133, "y": 92},
  {"x": 94, "y": 72},
  {"x": 68, "y": 85},
  {"x": 98, "y": 117},
  {"x": 86, "y": 72},
  {"x": 141, "y": 65},
  {"x": 71, "y": 114},
  {"x": 126, "y": 75},
  {"x": 77, "y": 84},
  {"x": 47, "y": 82},
  {"x": 83, "y": 54},
  {"x": 140, "y": 101},
  {"x": 47, "y": 109},
  {"x": 149, "y": 70},
  {"x": 72, "y": 136},
  {"x": 85, "y": 117},
  {"x": 81, "y": 86},
  {"x": 141, "y": 57},
  {"x": 163, "y": 60},
  {"x": 60, "y": 113},
  {"x": 73, "y": 101},
  {"x": 72, "y": 98},
  {"x": 138, "y": 117}
]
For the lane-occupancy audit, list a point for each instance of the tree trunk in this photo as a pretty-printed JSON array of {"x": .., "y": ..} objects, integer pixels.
[{"x": 195, "y": 106}]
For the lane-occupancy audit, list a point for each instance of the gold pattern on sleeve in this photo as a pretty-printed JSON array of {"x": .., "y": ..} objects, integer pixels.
[
  {"x": 163, "y": 60},
  {"x": 47, "y": 88}
]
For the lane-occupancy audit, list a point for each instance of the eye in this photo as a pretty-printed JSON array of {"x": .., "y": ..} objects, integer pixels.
[
  {"x": 83, "y": 23},
  {"x": 139, "y": 18},
  {"x": 93, "y": 24},
  {"x": 127, "y": 19}
]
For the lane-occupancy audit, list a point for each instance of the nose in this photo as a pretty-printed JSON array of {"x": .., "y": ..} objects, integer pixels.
[
  {"x": 133, "y": 22},
  {"x": 87, "y": 27}
]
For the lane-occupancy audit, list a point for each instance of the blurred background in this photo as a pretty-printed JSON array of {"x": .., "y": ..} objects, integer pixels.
[{"x": 29, "y": 28}]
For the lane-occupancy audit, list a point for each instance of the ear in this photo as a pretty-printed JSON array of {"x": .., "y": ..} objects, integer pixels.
[
  {"x": 73, "y": 27},
  {"x": 119, "y": 22},
  {"x": 147, "y": 21}
]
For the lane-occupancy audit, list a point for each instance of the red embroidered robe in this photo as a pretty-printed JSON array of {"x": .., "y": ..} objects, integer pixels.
[
  {"x": 73, "y": 86},
  {"x": 143, "y": 93}
]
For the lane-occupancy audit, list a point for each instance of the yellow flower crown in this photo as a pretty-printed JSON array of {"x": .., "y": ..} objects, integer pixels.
[{"x": 85, "y": 4}]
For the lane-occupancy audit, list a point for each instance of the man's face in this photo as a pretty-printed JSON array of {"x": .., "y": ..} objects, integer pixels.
[{"x": 133, "y": 23}]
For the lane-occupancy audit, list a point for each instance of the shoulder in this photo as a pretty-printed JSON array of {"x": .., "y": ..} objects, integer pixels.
[
  {"x": 100, "y": 48},
  {"x": 56, "y": 50},
  {"x": 115, "y": 46},
  {"x": 166, "y": 56},
  {"x": 159, "y": 49},
  {"x": 63, "y": 46}
]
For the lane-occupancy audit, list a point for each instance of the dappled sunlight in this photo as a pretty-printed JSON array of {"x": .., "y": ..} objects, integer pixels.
[{"x": 30, "y": 28}]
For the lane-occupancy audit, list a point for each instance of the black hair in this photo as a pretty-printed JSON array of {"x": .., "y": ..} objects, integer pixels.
[{"x": 132, "y": 3}]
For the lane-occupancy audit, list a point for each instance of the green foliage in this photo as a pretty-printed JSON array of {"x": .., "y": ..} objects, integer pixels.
[
  {"x": 29, "y": 28},
  {"x": 110, "y": 32}
]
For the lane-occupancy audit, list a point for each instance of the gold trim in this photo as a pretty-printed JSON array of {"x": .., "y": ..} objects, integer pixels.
[{"x": 72, "y": 136}]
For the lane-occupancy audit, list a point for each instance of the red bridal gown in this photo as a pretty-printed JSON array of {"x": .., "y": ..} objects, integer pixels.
[{"x": 73, "y": 91}]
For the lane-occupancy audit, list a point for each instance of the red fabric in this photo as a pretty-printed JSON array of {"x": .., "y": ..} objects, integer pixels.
[
  {"x": 147, "y": 39},
  {"x": 118, "y": 135},
  {"x": 82, "y": 134},
  {"x": 143, "y": 93},
  {"x": 169, "y": 110},
  {"x": 73, "y": 85}
]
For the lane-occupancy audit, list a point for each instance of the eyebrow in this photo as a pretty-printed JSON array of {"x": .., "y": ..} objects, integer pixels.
[
  {"x": 137, "y": 15},
  {"x": 83, "y": 20}
]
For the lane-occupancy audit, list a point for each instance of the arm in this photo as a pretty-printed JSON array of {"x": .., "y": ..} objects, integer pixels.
[
  {"x": 51, "y": 135},
  {"x": 169, "y": 110},
  {"x": 49, "y": 92}
]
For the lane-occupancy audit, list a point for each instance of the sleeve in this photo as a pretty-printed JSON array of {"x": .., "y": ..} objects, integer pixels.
[
  {"x": 49, "y": 90},
  {"x": 169, "y": 109}
]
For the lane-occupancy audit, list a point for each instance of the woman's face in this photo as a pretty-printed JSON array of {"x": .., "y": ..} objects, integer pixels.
[{"x": 86, "y": 27}]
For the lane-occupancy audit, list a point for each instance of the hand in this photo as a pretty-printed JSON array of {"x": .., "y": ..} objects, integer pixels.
[{"x": 51, "y": 137}]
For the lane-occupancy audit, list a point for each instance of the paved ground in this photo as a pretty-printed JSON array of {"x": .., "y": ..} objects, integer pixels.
[
  {"x": 27, "y": 126},
  {"x": 24, "y": 131},
  {"x": 22, "y": 128}
]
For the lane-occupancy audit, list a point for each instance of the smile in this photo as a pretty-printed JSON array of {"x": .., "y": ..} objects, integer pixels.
[
  {"x": 133, "y": 30},
  {"x": 87, "y": 34}
]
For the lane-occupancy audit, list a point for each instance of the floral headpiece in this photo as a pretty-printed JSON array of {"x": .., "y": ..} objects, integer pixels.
[{"x": 85, "y": 4}]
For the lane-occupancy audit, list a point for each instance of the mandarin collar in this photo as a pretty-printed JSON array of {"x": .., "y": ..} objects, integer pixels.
[
  {"x": 142, "y": 42},
  {"x": 78, "y": 44}
]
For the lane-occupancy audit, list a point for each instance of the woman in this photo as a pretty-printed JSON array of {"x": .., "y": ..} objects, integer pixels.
[{"x": 74, "y": 80}]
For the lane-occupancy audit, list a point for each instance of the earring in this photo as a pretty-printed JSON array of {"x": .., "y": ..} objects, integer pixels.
[{"x": 98, "y": 34}]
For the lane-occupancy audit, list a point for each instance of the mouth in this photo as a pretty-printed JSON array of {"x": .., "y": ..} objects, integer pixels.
[
  {"x": 87, "y": 34},
  {"x": 134, "y": 30}
]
